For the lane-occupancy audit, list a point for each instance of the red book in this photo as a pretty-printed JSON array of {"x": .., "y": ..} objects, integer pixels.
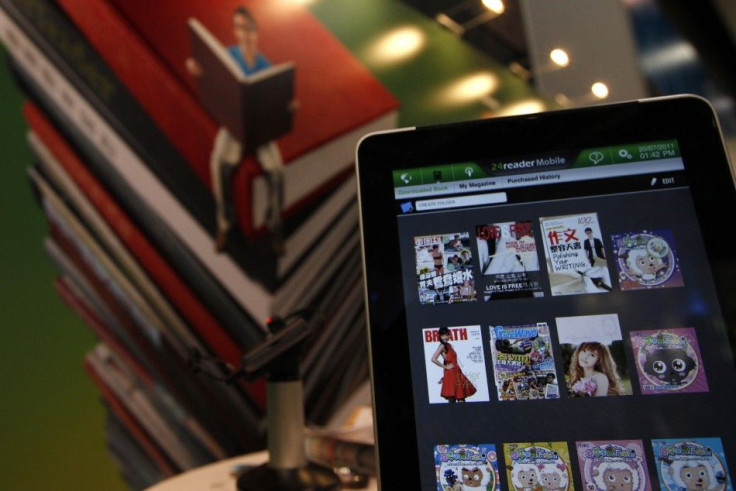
[
  {"x": 215, "y": 414},
  {"x": 146, "y": 44},
  {"x": 203, "y": 417},
  {"x": 141, "y": 436},
  {"x": 136, "y": 338},
  {"x": 168, "y": 280},
  {"x": 72, "y": 298},
  {"x": 116, "y": 378},
  {"x": 69, "y": 292}
]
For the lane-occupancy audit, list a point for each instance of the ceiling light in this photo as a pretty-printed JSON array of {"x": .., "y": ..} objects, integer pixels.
[
  {"x": 477, "y": 85},
  {"x": 529, "y": 106},
  {"x": 470, "y": 88},
  {"x": 600, "y": 90},
  {"x": 397, "y": 45},
  {"x": 559, "y": 57},
  {"x": 495, "y": 6}
]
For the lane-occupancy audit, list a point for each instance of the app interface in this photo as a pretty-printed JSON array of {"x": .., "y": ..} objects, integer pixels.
[{"x": 563, "y": 324}]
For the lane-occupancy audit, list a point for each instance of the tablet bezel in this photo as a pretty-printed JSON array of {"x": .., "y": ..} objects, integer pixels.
[{"x": 688, "y": 119}]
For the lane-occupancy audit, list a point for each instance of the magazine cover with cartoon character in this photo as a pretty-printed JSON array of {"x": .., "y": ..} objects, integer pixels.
[
  {"x": 464, "y": 466},
  {"x": 646, "y": 259},
  {"x": 668, "y": 361},
  {"x": 538, "y": 466},
  {"x": 691, "y": 463},
  {"x": 456, "y": 368},
  {"x": 613, "y": 465},
  {"x": 507, "y": 254},
  {"x": 593, "y": 355},
  {"x": 576, "y": 256},
  {"x": 523, "y": 364},
  {"x": 444, "y": 268}
]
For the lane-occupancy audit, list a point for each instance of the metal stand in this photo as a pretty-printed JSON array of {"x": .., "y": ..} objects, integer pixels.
[{"x": 287, "y": 468}]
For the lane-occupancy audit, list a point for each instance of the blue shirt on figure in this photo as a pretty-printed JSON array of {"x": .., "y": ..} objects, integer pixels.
[{"x": 261, "y": 61}]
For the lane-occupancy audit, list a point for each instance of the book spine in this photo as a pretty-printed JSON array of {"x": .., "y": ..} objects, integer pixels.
[
  {"x": 68, "y": 293},
  {"x": 170, "y": 322},
  {"x": 128, "y": 391},
  {"x": 158, "y": 90},
  {"x": 71, "y": 53},
  {"x": 155, "y": 453},
  {"x": 136, "y": 469},
  {"x": 149, "y": 80},
  {"x": 171, "y": 354},
  {"x": 175, "y": 344},
  {"x": 127, "y": 231},
  {"x": 236, "y": 426},
  {"x": 138, "y": 338},
  {"x": 108, "y": 292},
  {"x": 142, "y": 195},
  {"x": 168, "y": 280},
  {"x": 208, "y": 430},
  {"x": 68, "y": 49},
  {"x": 199, "y": 436}
]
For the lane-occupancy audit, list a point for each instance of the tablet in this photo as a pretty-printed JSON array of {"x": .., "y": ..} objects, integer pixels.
[{"x": 550, "y": 300}]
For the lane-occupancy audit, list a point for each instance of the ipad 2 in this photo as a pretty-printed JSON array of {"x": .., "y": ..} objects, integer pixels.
[{"x": 549, "y": 300}]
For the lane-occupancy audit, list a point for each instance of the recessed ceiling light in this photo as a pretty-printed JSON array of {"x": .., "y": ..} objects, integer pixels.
[
  {"x": 470, "y": 88},
  {"x": 559, "y": 57},
  {"x": 397, "y": 45},
  {"x": 529, "y": 106},
  {"x": 495, "y": 6},
  {"x": 600, "y": 90}
]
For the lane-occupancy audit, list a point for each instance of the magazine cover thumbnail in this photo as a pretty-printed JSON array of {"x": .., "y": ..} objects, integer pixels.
[
  {"x": 646, "y": 259},
  {"x": 507, "y": 253},
  {"x": 576, "y": 256},
  {"x": 668, "y": 361},
  {"x": 456, "y": 368},
  {"x": 691, "y": 463},
  {"x": 466, "y": 466},
  {"x": 593, "y": 355},
  {"x": 522, "y": 362},
  {"x": 616, "y": 464},
  {"x": 538, "y": 466},
  {"x": 444, "y": 268}
]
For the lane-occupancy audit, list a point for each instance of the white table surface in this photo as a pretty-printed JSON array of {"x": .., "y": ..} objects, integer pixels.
[{"x": 219, "y": 476}]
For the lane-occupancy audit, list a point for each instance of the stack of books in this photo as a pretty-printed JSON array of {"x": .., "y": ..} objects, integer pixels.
[{"x": 123, "y": 136}]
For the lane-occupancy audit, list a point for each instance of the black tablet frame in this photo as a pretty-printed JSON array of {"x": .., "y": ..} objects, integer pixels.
[{"x": 688, "y": 119}]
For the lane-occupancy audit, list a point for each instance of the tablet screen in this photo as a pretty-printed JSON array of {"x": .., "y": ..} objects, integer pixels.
[{"x": 553, "y": 306}]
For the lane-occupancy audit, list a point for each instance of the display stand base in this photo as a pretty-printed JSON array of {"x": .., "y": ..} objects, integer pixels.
[{"x": 266, "y": 478}]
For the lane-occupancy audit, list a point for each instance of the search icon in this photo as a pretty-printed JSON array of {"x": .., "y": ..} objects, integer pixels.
[{"x": 624, "y": 154}]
